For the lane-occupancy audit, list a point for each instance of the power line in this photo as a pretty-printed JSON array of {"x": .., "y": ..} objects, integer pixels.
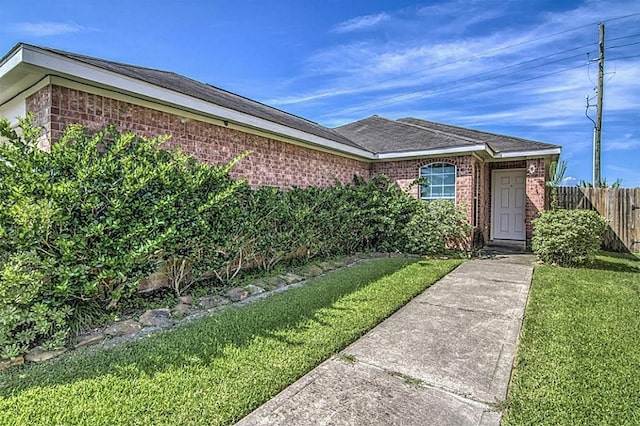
[
  {"x": 623, "y": 45},
  {"x": 534, "y": 67},
  {"x": 392, "y": 100},
  {"x": 619, "y": 17},
  {"x": 475, "y": 76},
  {"x": 523, "y": 80},
  {"x": 536, "y": 39},
  {"x": 542, "y": 57},
  {"x": 621, "y": 38},
  {"x": 472, "y": 80},
  {"x": 489, "y": 52},
  {"x": 624, "y": 57}
]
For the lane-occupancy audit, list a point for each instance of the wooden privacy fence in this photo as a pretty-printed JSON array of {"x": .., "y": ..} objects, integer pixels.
[{"x": 621, "y": 206}]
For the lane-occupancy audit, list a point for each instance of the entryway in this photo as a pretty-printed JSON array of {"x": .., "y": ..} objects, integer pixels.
[{"x": 508, "y": 205}]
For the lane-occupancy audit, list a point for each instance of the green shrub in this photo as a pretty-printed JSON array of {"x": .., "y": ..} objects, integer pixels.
[
  {"x": 30, "y": 310},
  {"x": 366, "y": 215},
  {"x": 568, "y": 237},
  {"x": 85, "y": 222},
  {"x": 82, "y": 225},
  {"x": 437, "y": 227}
]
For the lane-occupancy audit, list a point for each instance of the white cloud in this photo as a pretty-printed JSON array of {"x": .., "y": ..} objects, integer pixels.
[
  {"x": 455, "y": 17},
  {"x": 360, "y": 23},
  {"x": 468, "y": 64},
  {"x": 41, "y": 29},
  {"x": 569, "y": 181},
  {"x": 626, "y": 144}
]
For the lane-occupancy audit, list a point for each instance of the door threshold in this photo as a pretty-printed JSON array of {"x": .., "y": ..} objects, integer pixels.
[{"x": 507, "y": 244}]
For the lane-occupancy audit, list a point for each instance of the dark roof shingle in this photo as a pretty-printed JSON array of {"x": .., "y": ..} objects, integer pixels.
[
  {"x": 375, "y": 134},
  {"x": 383, "y": 135},
  {"x": 498, "y": 143},
  {"x": 209, "y": 93}
]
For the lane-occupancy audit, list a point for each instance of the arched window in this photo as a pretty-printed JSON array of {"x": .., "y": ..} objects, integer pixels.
[{"x": 441, "y": 181}]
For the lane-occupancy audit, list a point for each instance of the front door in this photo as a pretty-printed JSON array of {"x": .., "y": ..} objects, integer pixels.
[{"x": 508, "y": 204}]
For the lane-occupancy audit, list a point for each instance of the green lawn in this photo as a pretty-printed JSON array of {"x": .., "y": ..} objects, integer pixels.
[
  {"x": 578, "y": 360},
  {"x": 218, "y": 369}
]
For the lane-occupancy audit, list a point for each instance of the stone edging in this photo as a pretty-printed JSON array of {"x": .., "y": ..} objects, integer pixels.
[{"x": 186, "y": 310}]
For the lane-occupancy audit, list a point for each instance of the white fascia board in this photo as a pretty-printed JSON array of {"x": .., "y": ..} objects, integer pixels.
[
  {"x": 430, "y": 152},
  {"x": 88, "y": 72},
  {"x": 11, "y": 62},
  {"x": 537, "y": 153}
]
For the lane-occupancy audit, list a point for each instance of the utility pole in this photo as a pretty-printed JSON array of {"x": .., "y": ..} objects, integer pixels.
[{"x": 597, "y": 131}]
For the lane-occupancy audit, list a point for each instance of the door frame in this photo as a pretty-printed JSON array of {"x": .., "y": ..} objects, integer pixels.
[{"x": 494, "y": 182}]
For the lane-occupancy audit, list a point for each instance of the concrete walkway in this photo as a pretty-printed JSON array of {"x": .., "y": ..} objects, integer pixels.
[{"x": 443, "y": 359}]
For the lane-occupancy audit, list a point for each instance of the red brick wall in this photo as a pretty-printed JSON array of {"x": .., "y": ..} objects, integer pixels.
[
  {"x": 536, "y": 186},
  {"x": 39, "y": 104},
  {"x": 272, "y": 162},
  {"x": 403, "y": 172}
]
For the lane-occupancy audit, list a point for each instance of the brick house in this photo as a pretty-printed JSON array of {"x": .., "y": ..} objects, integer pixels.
[{"x": 499, "y": 180}]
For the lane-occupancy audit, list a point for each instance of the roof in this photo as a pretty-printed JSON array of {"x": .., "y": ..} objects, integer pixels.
[
  {"x": 206, "y": 92},
  {"x": 382, "y": 135},
  {"x": 498, "y": 143},
  {"x": 373, "y": 138}
]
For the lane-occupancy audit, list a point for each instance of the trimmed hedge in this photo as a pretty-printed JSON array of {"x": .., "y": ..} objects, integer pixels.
[
  {"x": 82, "y": 225},
  {"x": 568, "y": 237},
  {"x": 437, "y": 227},
  {"x": 85, "y": 222}
]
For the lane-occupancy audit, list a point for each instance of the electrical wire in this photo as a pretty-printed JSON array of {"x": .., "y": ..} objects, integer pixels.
[
  {"x": 622, "y": 45},
  {"x": 536, "y": 39},
  {"x": 473, "y": 77},
  {"x": 489, "y": 52},
  {"x": 621, "y": 38},
  {"x": 520, "y": 81},
  {"x": 472, "y": 80},
  {"x": 451, "y": 85},
  {"x": 624, "y": 57},
  {"x": 621, "y": 17}
]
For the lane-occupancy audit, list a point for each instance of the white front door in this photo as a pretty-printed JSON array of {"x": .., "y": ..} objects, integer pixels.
[{"x": 508, "y": 204}]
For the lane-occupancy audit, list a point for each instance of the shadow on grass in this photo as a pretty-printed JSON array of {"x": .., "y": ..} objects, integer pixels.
[
  {"x": 616, "y": 262},
  {"x": 202, "y": 341}
]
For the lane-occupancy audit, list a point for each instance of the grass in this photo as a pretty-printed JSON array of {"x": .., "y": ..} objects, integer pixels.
[
  {"x": 217, "y": 369},
  {"x": 578, "y": 360}
]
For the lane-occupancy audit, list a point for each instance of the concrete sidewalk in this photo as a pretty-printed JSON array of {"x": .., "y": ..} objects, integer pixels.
[{"x": 443, "y": 359}]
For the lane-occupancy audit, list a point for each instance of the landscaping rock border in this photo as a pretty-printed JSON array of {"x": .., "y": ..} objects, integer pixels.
[{"x": 189, "y": 308}]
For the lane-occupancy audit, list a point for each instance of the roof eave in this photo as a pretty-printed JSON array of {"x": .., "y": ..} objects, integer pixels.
[
  {"x": 10, "y": 60},
  {"x": 530, "y": 153},
  {"x": 53, "y": 63},
  {"x": 68, "y": 67},
  {"x": 431, "y": 152}
]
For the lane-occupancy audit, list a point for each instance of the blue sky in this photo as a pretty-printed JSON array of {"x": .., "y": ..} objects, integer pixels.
[{"x": 515, "y": 67}]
